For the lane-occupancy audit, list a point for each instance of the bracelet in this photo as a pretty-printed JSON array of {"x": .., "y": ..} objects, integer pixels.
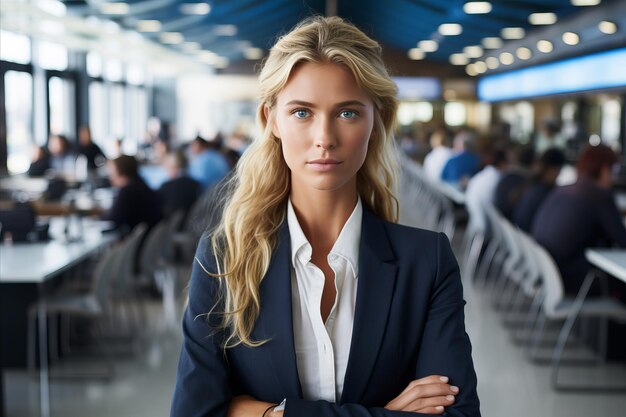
[{"x": 268, "y": 409}]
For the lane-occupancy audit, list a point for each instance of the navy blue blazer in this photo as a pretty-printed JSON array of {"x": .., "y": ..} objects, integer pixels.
[{"x": 409, "y": 323}]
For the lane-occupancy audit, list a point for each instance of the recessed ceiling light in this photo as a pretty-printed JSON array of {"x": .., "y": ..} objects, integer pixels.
[
  {"x": 225, "y": 30},
  {"x": 571, "y": 38},
  {"x": 172, "y": 38},
  {"x": 191, "y": 46},
  {"x": 542, "y": 18},
  {"x": 513, "y": 33},
  {"x": 477, "y": 7},
  {"x": 114, "y": 8},
  {"x": 416, "y": 54},
  {"x": 459, "y": 59},
  {"x": 428, "y": 45},
  {"x": 492, "y": 42},
  {"x": 506, "y": 58},
  {"x": 586, "y": 2},
  {"x": 523, "y": 53},
  {"x": 473, "y": 51},
  {"x": 253, "y": 53},
  {"x": 545, "y": 46},
  {"x": 492, "y": 62},
  {"x": 450, "y": 29},
  {"x": 470, "y": 70},
  {"x": 607, "y": 27},
  {"x": 148, "y": 26},
  {"x": 195, "y": 8},
  {"x": 480, "y": 67}
]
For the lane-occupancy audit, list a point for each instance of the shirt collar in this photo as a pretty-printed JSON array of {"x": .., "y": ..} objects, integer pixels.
[{"x": 346, "y": 246}]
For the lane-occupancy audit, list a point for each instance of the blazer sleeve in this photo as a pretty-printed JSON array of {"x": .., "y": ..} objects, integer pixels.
[
  {"x": 203, "y": 377},
  {"x": 445, "y": 350}
]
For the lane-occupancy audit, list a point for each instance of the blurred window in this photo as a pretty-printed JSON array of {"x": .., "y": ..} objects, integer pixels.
[
  {"x": 62, "y": 106},
  {"x": 94, "y": 64},
  {"x": 52, "y": 56},
  {"x": 455, "y": 113},
  {"x": 611, "y": 110},
  {"x": 98, "y": 115},
  {"x": 18, "y": 89},
  {"x": 14, "y": 47},
  {"x": 410, "y": 112}
]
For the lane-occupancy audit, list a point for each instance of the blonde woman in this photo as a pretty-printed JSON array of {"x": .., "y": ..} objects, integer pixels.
[{"x": 308, "y": 300}]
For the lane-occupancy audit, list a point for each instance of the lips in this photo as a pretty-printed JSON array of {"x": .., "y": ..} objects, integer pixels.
[
  {"x": 325, "y": 162},
  {"x": 324, "y": 165}
]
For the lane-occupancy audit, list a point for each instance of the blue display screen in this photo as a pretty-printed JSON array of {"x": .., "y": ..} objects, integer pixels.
[
  {"x": 411, "y": 88},
  {"x": 591, "y": 72}
]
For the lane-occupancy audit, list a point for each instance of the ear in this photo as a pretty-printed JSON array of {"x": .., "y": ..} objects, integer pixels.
[{"x": 267, "y": 111}]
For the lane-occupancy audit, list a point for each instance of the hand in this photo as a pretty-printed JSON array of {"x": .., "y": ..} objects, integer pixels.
[
  {"x": 247, "y": 406},
  {"x": 426, "y": 395}
]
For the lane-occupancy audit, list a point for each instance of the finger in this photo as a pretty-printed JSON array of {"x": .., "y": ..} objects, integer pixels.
[
  {"x": 432, "y": 402},
  {"x": 419, "y": 392},
  {"x": 431, "y": 379},
  {"x": 433, "y": 410}
]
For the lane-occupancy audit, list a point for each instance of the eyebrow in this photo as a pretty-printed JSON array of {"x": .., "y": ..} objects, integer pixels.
[{"x": 340, "y": 104}]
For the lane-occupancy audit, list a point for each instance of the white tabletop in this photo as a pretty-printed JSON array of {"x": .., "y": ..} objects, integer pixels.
[
  {"x": 37, "y": 262},
  {"x": 612, "y": 261}
]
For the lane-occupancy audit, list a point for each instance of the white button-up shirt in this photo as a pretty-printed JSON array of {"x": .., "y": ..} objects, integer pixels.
[{"x": 322, "y": 349}]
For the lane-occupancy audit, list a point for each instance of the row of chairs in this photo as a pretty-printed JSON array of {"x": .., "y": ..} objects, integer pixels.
[{"x": 526, "y": 286}]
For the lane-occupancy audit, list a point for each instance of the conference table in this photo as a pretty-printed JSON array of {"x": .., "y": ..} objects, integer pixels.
[{"x": 27, "y": 272}]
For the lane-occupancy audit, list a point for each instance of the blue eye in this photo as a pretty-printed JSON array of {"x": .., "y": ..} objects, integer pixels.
[
  {"x": 348, "y": 114},
  {"x": 301, "y": 114}
]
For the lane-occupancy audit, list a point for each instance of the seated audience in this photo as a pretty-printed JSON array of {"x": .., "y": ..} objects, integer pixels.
[
  {"x": 437, "y": 158},
  {"x": 40, "y": 163},
  {"x": 207, "y": 166},
  {"x": 545, "y": 173},
  {"x": 582, "y": 215},
  {"x": 181, "y": 191},
  {"x": 461, "y": 166},
  {"x": 135, "y": 202},
  {"x": 86, "y": 146},
  {"x": 62, "y": 158},
  {"x": 514, "y": 180}
]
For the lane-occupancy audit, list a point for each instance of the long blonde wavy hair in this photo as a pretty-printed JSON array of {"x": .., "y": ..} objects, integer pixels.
[{"x": 244, "y": 240}]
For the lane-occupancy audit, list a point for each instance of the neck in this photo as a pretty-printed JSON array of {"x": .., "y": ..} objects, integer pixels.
[{"x": 322, "y": 215}]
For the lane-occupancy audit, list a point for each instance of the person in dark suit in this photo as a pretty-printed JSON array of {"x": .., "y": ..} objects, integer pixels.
[
  {"x": 545, "y": 173},
  {"x": 514, "y": 180},
  {"x": 40, "y": 163},
  {"x": 308, "y": 300},
  {"x": 579, "y": 216},
  {"x": 181, "y": 191},
  {"x": 135, "y": 202},
  {"x": 86, "y": 146}
]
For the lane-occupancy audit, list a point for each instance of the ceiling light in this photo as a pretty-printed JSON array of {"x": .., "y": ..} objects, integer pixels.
[
  {"x": 586, "y": 2},
  {"x": 172, "y": 38},
  {"x": 473, "y": 51},
  {"x": 524, "y": 53},
  {"x": 114, "y": 8},
  {"x": 191, "y": 46},
  {"x": 477, "y": 7},
  {"x": 492, "y": 43},
  {"x": 459, "y": 59},
  {"x": 480, "y": 67},
  {"x": 545, "y": 46},
  {"x": 148, "y": 26},
  {"x": 513, "y": 33},
  {"x": 470, "y": 70},
  {"x": 450, "y": 29},
  {"x": 542, "y": 18},
  {"x": 571, "y": 38},
  {"x": 492, "y": 62},
  {"x": 207, "y": 56},
  {"x": 195, "y": 8},
  {"x": 416, "y": 54},
  {"x": 225, "y": 30},
  {"x": 506, "y": 58},
  {"x": 428, "y": 46},
  {"x": 607, "y": 27},
  {"x": 253, "y": 53}
]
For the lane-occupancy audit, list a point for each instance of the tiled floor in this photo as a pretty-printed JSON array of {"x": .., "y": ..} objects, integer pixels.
[{"x": 508, "y": 385}]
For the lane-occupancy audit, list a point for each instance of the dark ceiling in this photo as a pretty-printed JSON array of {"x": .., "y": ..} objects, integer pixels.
[{"x": 398, "y": 24}]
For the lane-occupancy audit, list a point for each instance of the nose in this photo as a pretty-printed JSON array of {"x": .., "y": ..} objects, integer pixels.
[{"x": 325, "y": 137}]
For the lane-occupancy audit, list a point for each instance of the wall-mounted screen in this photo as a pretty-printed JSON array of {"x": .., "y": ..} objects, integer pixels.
[{"x": 591, "y": 72}]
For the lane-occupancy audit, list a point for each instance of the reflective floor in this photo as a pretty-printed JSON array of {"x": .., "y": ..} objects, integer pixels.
[{"x": 508, "y": 384}]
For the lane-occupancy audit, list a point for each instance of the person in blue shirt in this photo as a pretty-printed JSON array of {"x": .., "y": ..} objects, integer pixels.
[
  {"x": 464, "y": 164},
  {"x": 207, "y": 166}
]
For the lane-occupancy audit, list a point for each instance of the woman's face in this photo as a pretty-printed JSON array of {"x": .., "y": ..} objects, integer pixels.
[{"x": 324, "y": 122}]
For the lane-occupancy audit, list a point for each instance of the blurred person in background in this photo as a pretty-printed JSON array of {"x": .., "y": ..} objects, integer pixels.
[
  {"x": 545, "y": 173},
  {"x": 86, "y": 146},
  {"x": 464, "y": 163},
  {"x": 135, "y": 202},
  {"x": 207, "y": 165},
  {"x": 439, "y": 155},
  {"x": 482, "y": 186},
  {"x": 549, "y": 136},
  {"x": 62, "y": 158},
  {"x": 580, "y": 216},
  {"x": 40, "y": 162},
  {"x": 180, "y": 191},
  {"x": 273, "y": 314},
  {"x": 514, "y": 180}
]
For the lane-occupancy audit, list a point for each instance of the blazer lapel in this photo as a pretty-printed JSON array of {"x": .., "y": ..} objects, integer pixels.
[
  {"x": 275, "y": 318},
  {"x": 376, "y": 280}
]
